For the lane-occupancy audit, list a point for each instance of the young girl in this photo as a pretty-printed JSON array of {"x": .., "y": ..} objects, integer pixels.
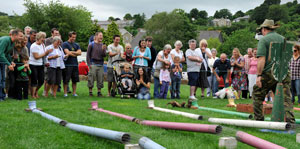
[
  {"x": 165, "y": 80},
  {"x": 23, "y": 71},
  {"x": 176, "y": 78}
]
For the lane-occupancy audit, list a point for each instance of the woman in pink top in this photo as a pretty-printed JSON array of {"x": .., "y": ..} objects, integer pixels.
[{"x": 252, "y": 72}]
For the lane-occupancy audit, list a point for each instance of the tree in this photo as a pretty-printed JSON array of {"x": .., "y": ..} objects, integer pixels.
[
  {"x": 112, "y": 30},
  {"x": 272, "y": 2},
  {"x": 238, "y": 14},
  {"x": 4, "y": 26},
  {"x": 44, "y": 17},
  {"x": 203, "y": 14},
  {"x": 223, "y": 13},
  {"x": 278, "y": 13},
  {"x": 127, "y": 16},
  {"x": 214, "y": 43},
  {"x": 194, "y": 14},
  {"x": 3, "y": 14},
  {"x": 259, "y": 14},
  {"x": 111, "y": 18},
  {"x": 168, "y": 27},
  {"x": 139, "y": 20},
  {"x": 241, "y": 39}
]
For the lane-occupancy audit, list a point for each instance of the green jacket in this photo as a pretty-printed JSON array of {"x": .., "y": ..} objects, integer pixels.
[
  {"x": 263, "y": 47},
  {"x": 5, "y": 46}
]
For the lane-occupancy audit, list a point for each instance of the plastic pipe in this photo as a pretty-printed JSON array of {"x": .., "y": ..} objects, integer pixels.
[
  {"x": 116, "y": 114},
  {"x": 48, "y": 116},
  {"x": 245, "y": 115},
  {"x": 103, "y": 133},
  {"x": 298, "y": 109},
  {"x": 251, "y": 123},
  {"x": 147, "y": 143},
  {"x": 297, "y": 121},
  {"x": 185, "y": 114},
  {"x": 255, "y": 141},
  {"x": 215, "y": 129}
]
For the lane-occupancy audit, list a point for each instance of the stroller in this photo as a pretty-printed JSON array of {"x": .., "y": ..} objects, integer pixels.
[{"x": 120, "y": 89}]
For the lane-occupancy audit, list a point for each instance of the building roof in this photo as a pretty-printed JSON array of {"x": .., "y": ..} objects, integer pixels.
[
  {"x": 210, "y": 34},
  {"x": 140, "y": 35}
]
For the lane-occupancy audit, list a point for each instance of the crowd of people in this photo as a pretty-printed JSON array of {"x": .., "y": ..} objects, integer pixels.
[{"x": 33, "y": 60}]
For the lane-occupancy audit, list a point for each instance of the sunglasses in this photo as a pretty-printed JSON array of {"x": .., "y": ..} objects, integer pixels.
[{"x": 295, "y": 50}]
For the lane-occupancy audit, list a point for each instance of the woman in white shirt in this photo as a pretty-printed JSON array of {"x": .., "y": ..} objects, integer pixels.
[
  {"x": 212, "y": 78},
  {"x": 206, "y": 54},
  {"x": 177, "y": 52},
  {"x": 37, "y": 53}
]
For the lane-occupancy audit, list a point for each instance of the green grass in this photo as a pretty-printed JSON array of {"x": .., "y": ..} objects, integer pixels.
[{"x": 20, "y": 129}]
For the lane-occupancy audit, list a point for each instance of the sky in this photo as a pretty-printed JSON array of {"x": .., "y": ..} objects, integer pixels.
[{"x": 102, "y": 9}]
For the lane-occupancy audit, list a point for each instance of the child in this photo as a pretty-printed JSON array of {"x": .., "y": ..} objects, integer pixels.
[
  {"x": 23, "y": 71},
  {"x": 127, "y": 76},
  {"x": 165, "y": 80},
  {"x": 176, "y": 78},
  {"x": 128, "y": 53}
]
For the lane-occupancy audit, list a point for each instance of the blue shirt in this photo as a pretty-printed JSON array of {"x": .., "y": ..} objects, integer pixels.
[
  {"x": 222, "y": 67},
  {"x": 144, "y": 62},
  {"x": 71, "y": 61}
]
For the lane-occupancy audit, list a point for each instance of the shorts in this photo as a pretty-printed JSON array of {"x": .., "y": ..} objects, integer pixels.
[
  {"x": 193, "y": 78},
  {"x": 71, "y": 72},
  {"x": 37, "y": 75},
  {"x": 54, "y": 76},
  {"x": 110, "y": 75}
]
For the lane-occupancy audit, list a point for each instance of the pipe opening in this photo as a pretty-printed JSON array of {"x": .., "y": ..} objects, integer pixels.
[
  {"x": 125, "y": 138},
  {"x": 250, "y": 116},
  {"x": 218, "y": 129},
  {"x": 288, "y": 126},
  {"x": 63, "y": 123},
  {"x": 200, "y": 117}
]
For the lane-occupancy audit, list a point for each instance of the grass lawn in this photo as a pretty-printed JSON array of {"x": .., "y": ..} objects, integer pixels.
[{"x": 20, "y": 129}]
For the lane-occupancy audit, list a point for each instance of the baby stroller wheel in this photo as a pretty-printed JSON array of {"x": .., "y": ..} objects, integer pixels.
[
  {"x": 113, "y": 93},
  {"x": 122, "y": 96}
]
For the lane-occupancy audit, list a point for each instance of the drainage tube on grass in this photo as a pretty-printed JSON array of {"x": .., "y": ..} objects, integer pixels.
[
  {"x": 255, "y": 141},
  {"x": 185, "y": 114},
  {"x": 245, "y": 115},
  {"x": 103, "y": 133},
  {"x": 215, "y": 129}
]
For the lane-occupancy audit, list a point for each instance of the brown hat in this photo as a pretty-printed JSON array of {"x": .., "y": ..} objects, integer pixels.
[{"x": 269, "y": 24}]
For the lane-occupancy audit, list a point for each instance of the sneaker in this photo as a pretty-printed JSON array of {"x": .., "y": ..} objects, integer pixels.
[
  {"x": 75, "y": 95},
  {"x": 193, "y": 98},
  {"x": 65, "y": 95},
  {"x": 207, "y": 95},
  {"x": 215, "y": 97}
]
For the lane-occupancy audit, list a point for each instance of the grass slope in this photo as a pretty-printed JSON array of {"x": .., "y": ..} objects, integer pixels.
[{"x": 20, "y": 129}]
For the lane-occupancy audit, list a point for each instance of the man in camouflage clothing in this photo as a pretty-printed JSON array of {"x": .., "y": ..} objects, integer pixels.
[{"x": 265, "y": 80}]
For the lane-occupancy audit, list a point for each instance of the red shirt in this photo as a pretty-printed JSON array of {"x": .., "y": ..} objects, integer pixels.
[{"x": 83, "y": 68}]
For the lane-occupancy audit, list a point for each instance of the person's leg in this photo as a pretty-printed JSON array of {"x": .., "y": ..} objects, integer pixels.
[
  {"x": 25, "y": 89},
  {"x": 41, "y": 78},
  {"x": 293, "y": 90},
  {"x": 75, "y": 79},
  {"x": 288, "y": 105},
  {"x": 91, "y": 77},
  {"x": 208, "y": 90},
  {"x": 173, "y": 88},
  {"x": 19, "y": 90},
  {"x": 162, "y": 89},
  {"x": 215, "y": 86},
  {"x": 178, "y": 83},
  {"x": 45, "y": 80},
  {"x": 74, "y": 87},
  {"x": 100, "y": 74},
  {"x": 166, "y": 89},
  {"x": 156, "y": 87},
  {"x": 297, "y": 85},
  {"x": 147, "y": 96},
  {"x": 2, "y": 81},
  {"x": 34, "y": 73}
]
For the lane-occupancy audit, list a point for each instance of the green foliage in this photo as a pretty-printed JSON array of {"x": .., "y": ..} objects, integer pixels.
[
  {"x": 4, "y": 25},
  {"x": 271, "y": 2},
  {"x": 127, "y": 16},
  {"x": 168, "y": 27},
  {"x": 278, "y": 13},
  {"x": 259, "y": 14},
  {"x": 228, "y": 30},
  {"x": 112, "y": 30},
  {"x": 238, "y": 14},
  {"x": 139, "y": 21},
  {"x": 198, "y": 17},
  {"x": 3, "y": 14},
  {"x": 214, "y": 43},
  {"x": 241, "y": 39},
  {"x": 223, "y": 13},
  {"x": 132, "y": 30},
  {"x": 111, "y": 18},
  {"x": 44, "y": 17}
]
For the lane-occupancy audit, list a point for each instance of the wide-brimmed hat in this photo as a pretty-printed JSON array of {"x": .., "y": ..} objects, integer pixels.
[{"x": 269, "y": 24}]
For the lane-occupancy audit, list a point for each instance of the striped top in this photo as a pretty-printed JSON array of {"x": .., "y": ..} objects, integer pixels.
[{"x": 295, "y": 68}]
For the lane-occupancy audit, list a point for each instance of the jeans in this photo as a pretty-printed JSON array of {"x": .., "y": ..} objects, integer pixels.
[
  {"x": 2, "y": 81},
  {"x": 156, "y": 87},
  {"x": 295, "y": 89},
  {"x": 216, "y": 85},
  {"x": 212, "y": 81},
  {"x": 164, "y": 89},
  {"x": 175, "y": 88},
  {"x": 143, "y": 94}
]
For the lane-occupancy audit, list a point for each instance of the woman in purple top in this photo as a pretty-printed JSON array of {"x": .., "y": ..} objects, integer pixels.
[
  {"x": 295, "y": 70},
  {"x": 239, "y": 80}
]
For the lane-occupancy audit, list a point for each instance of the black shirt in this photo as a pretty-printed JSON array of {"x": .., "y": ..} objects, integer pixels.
[
  {"x": 222, "y": 67},
  {"x": 153, "y": 56},
  {"x": 71, "y": 61}
]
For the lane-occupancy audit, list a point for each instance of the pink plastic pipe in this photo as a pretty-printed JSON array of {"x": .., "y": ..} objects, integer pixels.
[
  {"x": 298, "y": 109},
  {"x": 255, "y": 141},
  {"x": 116, "y": 114},
  {"x": 185, "y": 126}
]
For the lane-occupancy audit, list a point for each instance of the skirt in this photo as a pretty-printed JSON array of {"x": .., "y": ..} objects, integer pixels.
[{"x": 202, "y": 81}]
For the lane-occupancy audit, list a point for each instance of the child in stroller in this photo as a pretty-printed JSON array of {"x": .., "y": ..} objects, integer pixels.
[{"x": 127, "y": 77}]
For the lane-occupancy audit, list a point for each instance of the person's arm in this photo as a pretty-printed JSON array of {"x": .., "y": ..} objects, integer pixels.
[
  {"x": 173, "y": 68},
  {"x": 88, "y": 54},
  {"x": 20, "y": 68},
  {"x": 148, "y": 56},
  {"x": 160, "y": 76},
  {"x": 52, "y": 57},
  {"x": 77, "y": 52},
  {"x": 260, "y": 67},
  {"x": 69, "y": 52},
  {"x": 242, "y": 64},
  {"x": 194, "y": 58},
  {"x": 228, "y": 75},
  {"x": 180, "y": 68},
  {"x": 37, "y": 56},
  {"x": 208, "y": 52},
  {"x": 147, "y": 85},
  {"x": 134, "y": 55}
]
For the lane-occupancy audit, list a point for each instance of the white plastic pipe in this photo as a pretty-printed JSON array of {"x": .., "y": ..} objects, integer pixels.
[
  {"x": 48, "y": 116},
  {"x": 185, "y": 114},
  {"x": 251, "y": 123},
  {"x": 147, "y": 143},
  {"x": 103, "y": 133}
]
